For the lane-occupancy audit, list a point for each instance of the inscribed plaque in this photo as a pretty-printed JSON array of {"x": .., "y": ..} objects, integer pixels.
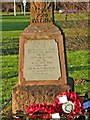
[{"x": 41, "y": 60}]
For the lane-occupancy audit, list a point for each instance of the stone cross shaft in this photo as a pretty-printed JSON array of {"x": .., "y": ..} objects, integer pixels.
[{"x": 41, "y": 12}]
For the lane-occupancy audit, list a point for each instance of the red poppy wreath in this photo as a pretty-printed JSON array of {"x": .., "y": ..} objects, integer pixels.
[
  {"x": 43, "y": 109},
  {"x": 68, "y": 103}
]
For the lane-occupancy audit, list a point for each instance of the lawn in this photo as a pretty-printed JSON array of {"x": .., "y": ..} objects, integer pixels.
[{"x": 76, "y": 49}]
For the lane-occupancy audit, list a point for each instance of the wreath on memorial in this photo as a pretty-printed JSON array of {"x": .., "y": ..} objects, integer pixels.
[
  {"x": 66, "y": 103},
  {"x": 69, "y": 103},
  {"x": 44, "y": 110}
]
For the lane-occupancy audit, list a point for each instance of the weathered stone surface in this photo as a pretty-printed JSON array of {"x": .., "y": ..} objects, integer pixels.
[
  {"x": 37, "y": 32},
  {"x": 41, "y": 12},
  {"x": 23, "y": 96},
  {"x": 43, "y": 28}
]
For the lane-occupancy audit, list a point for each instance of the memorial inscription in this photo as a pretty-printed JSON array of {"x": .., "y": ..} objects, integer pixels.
[{"x": 41, "y": 60}]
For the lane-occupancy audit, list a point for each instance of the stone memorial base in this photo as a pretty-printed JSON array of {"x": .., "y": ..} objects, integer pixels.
[
  {"x": 42, "y": 71},
  {"x": 23, "y": 96}
]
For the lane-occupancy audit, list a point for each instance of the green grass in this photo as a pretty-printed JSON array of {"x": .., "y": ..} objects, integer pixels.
[
  {"x": 81, "y": 88},
  {"x": 9, "y": 75},
  {"x": 14, "y": 23},
  {"x": 76, "y": 46},
  {"x": 76, "y": 32},
  {"x": 71, "y": 16},
  {"x": 11, "y": 34},
  {"x": 78, "y": 64}
]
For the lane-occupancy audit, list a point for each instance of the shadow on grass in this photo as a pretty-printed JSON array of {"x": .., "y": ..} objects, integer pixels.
[
  {"x": 9, "y": 76},
  {"x": 5, "y": 16},
  {"x": 14, "y": 26},
  {"x": 10, "y": 51},
  {"x": 10, "y": 46},
  {"x": 72, "y": 23},
  {"x": 78, "y": 68}
]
